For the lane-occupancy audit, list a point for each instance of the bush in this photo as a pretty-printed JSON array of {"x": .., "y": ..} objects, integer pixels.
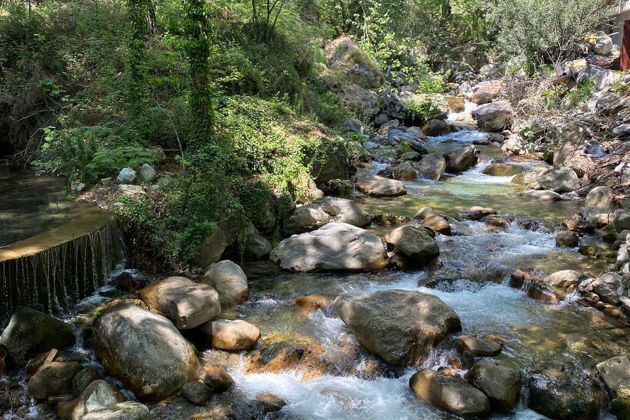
[
  {"x": 544, "y": 31},
  {"x": 418, "y": 113}
]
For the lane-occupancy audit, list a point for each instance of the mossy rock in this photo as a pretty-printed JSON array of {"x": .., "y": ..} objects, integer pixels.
[{"x": 620, "y": 405}]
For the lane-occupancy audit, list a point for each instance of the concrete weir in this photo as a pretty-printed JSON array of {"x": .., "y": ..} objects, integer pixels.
[
  {"x": 56, "y": 251},
  {"x": 56, "y": 269}
]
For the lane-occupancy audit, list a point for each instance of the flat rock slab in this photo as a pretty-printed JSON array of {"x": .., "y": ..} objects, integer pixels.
[
  {"x": 334, "y": 247},
  {"x": 378, "y": 186},
  {"x": 478, "y": 346},
  {"x": 399, "y": 326}
]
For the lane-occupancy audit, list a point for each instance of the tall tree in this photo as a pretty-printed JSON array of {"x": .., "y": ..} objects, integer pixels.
[{"x": 197, "y": 48}]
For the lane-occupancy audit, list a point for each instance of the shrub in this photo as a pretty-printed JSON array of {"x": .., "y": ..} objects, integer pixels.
[{"x": 543, "y": 31}]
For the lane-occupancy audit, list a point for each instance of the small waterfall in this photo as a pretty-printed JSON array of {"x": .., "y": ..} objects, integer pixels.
[{"x": 54, "y": 279}]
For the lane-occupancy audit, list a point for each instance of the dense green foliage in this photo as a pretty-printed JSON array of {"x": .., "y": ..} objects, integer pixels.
[{"x": 239, "y": 94}]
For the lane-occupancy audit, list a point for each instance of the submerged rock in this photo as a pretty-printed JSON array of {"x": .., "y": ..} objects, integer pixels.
[
  {"x": 501, "y": 169},
  {"x": 336, "y": 247},
  {"x": 449, "y": 393},
  {"x": 415, "y": 244},
  {"x": 478, "y": 346},
  {"x": 399, "y": 326},
  {"x": 565, "y": 395},
  {"x": 378, "y": 186},
  {"x": 542, "y": 195},
  {"x": 230, "y": 282},
  {"x": 323, "y": 211},
  {"x": 144, "y": 351},
  {"x": 186, "y": 303},
  {"x": 31, "y": 332}
]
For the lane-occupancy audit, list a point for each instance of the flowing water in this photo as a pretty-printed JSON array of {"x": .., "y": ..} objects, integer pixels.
[
  {"x": 53, "y": 251},
  {"x": 470, "y": 277},
  {"x": 340, "y": 380}
]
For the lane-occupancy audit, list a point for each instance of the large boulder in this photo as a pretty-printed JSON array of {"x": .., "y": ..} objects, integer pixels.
[
  {"x": 565, "y": 395},
  {"x": 599, "y": 200},
  {"x": 449, "y": 393},
  {"x": 415, "y": 244},
  {"x": 559, "y": 180},
  {"x": 53, "y": 378},
  {"x": 615, "y": 372},
  {"x": 31, "y": 332},
  {"x": 399, "y": 326},
  {"x": 433, "y": 220},
  {"x": 501, "y": 384},
  {"x": 186, "y": 303},
  {"x": 378, "y": 186},
  {"x": 432, "y": 166},
  {"x": 461, "y": 159},
  {"x": 320, "y": 212},
  {"x": 144, "y": 351},
  {"x": 494, "y": 117},
  {"x": 335, "y": 246},
  {"x": 230, "y": 282}
]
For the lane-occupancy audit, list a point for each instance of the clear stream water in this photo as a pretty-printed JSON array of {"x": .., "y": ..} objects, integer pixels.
[{"x": 470, "y": 276}]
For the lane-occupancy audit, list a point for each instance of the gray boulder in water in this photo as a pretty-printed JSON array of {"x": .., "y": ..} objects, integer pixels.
[
  {"x": 449, "y": 393},
  {"x": 186, "y": 303},
  {"x": 31, "y": 332},
  {"x": 399, "y": 326},
  {"x": 378, "y": 186},
  {"x": 144, "y": 351},
  {"x": 333, "y": 247},
  {"x": 320, "y": 212},
  {"x": 415, "y": 244}
]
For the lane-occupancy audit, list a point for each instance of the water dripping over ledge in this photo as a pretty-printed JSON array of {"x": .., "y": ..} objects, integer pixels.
[{"x": 54, "y": 270}]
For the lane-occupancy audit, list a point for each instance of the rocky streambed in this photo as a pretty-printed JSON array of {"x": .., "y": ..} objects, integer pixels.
[{"x": 364, "y": 313}]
